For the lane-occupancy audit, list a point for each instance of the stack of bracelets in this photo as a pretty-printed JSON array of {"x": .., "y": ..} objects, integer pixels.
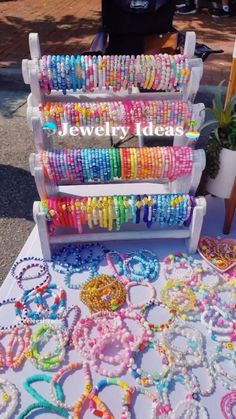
[
  {"x": 165, "y": 210},
  {"x": 125, "y": 113},
  {"x": 152, "y": 72},
  {"x": 108, "y": 164}
]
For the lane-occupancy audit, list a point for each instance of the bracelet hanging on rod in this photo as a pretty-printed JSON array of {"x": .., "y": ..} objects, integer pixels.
[
  {"x": 110, "y": 164},
  {"x": 165, "y": 210},
  {"x": 86, "y": 73},
  {"x": 164, "y": 113}
]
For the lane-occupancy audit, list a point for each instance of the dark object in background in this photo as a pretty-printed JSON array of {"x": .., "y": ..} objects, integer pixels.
[{"x": 129, "y": 22}]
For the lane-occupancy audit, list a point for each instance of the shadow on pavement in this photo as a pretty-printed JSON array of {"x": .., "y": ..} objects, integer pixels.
[{"x": 18, "y": 192}]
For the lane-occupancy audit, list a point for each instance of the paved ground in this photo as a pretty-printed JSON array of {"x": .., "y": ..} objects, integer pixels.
[{"x": 63, "y": 25}]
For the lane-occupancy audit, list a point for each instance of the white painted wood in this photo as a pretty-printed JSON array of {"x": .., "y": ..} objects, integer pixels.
[
  {"x": 179, "y": 140},
  {"x": 234, "y": 51},
  {"x": 25, "y": 71},
  {"x": 40, "y": 138},
  {"x": 34, "y": 45},
  {"x": 199, "y": 115},
  {"x": 190, "y": 44},
  {"x": 193, "y": 85},
  {"x": 120, "y": 235},
  {"x": 140, "y": 140},
  {"x": 196, "y": 225},
  {"x": 39, "y": 180},
  {"x": 43, "y": 236},
  {"x": 37, "y": 96}
]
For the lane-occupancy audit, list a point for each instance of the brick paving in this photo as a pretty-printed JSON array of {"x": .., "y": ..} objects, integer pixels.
[{"x": 70, "y": 25}]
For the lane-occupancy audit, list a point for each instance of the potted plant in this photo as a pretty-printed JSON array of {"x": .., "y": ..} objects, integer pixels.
[{"x": 220, "y": 171}]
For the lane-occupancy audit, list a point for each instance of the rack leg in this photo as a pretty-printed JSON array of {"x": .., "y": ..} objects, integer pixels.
[
  {"x": 43, "y": 236},
  {"x": 230, "y": 206},
  {"x": 140, "y": 140},
  {"x": 195, "y": 229}
]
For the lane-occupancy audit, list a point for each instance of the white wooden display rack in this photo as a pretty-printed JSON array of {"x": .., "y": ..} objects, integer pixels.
[
  {"x": 183, "y": 184},
  {"x": 30, "y": 70}
]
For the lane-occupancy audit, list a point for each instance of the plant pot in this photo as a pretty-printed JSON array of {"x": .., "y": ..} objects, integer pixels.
[{"x": 222, "y": 185}]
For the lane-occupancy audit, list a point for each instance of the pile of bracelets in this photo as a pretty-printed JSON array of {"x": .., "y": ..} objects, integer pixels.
[
  {"x": 165, "y": 210},
  {"x": 114, "y": 340},
  {"x": 109, "y": 164},
  {"x": 161, "y": 72},
  {"x": 167, "y": 113}
]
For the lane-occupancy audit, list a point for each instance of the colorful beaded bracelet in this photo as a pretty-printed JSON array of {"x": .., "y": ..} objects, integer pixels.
[
  {"x": 42, "y": 403},
  {"x": 28, "y": 264},
  {"x": 9, "y": 396},
  {"x": 49, "y": 360},
  {"x": 64, "y": 370},
  {"x": 126, "y": 398},
  {"x": 227, "y": 404},
  {"x": 16, "y": 346}
]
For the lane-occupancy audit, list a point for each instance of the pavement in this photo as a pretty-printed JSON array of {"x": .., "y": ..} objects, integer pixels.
[{"x": 63, "y": 26}]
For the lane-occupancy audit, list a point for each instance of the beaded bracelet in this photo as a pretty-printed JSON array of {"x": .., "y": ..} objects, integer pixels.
[
  {"x": 41, "y": 401},
  {"x": 126, "y": 269},
  {"x": 218, "y": 322},
  {"x": 140, "y": 305},
  {"x": 101, "y": 410},
  {"x": 49, "y": 360},
  {"x": 151, "y": 396},
  {"x": 103, "y": 293},
  {"x": 165, "y": 386},
  {"x": 86, "y": 328},
  {"x": 176, "y": 295},
  {"x": 21, "y": 316},
  {"x": 59, "y": 375},
  {"x": 145, "y": 378},
  {"x": 39, "y": 296},
  {"x": 9, "y": 396},
  {"x": 126, "y": 398},
  {"x": 224, "y": 352},
  {"x": 75, "y": 271},
  {"x": 192, "y": 353},
  {"x": 115, "y": 262},
  {"x": 227, "y": 404},
  {"x": 123, "y": 359},
  {"x": 189, "y": 407},
  {"x": 86, "y": 256},
  {"x": 29, "y": 263},
  {"x": 181, "y": 261},
  {"x": 16, "y": 347},
  {"x": 161, "y": 326},
  {"x": 148, "y": 262}
]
